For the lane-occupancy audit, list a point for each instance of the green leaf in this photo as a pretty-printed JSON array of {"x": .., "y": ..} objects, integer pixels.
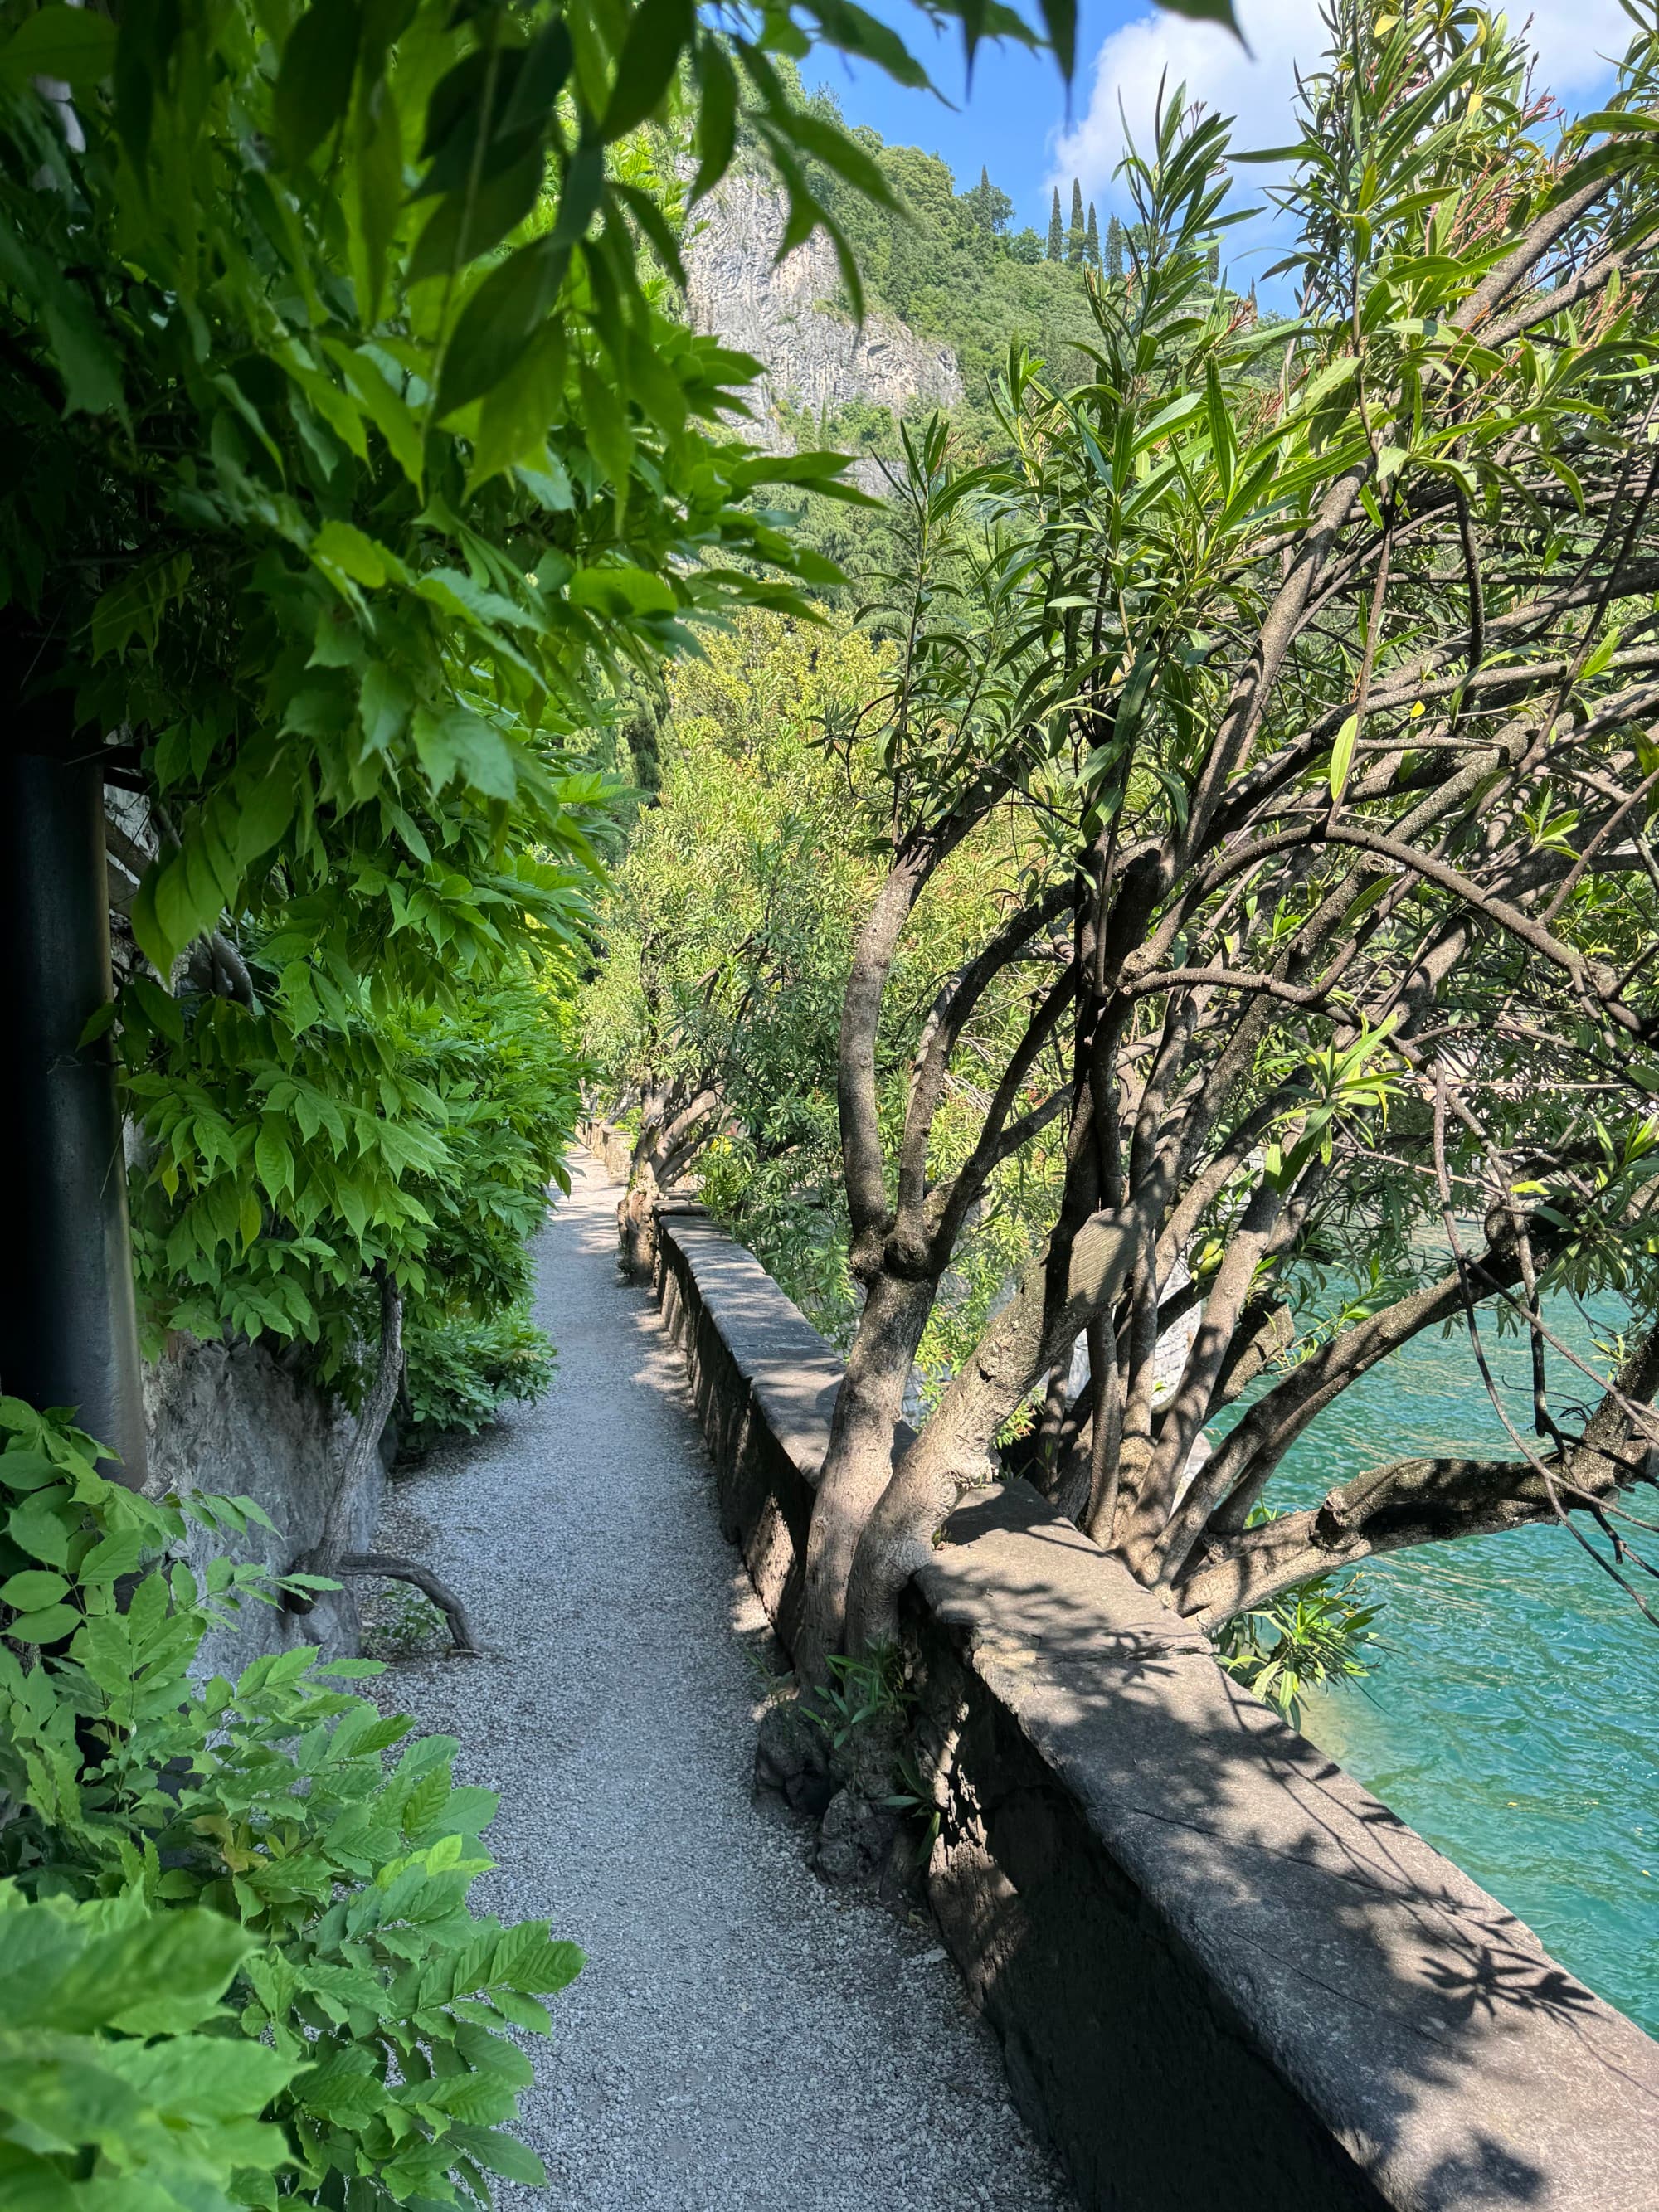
[
  {"x": 452, "y": 237},
  {"x": 385, "y": 408},
  {"x": 97, "y": 1023},
  {"x": 1208, "y": 11},
  {"x": 148, "y": 38},
  {"x": 605, "y": 420},
  {"x": 313, "y": 80},
  {"x": 342, "y": 545},
  {"x": 273, "y": 1159},
  {"x": 47, "y": 1626},
  {"x": 70, "y": 43},
  {"x": 514, "y": 420},
  {"x": 111, "y": 1557},
  {"x": 86, "y": 359},
  {"x": 1342, "y": 757},
  {"x": 1604, "y": 647},
  {"x": 383, "y": 705},
  {"x": 717, "y": 115},
  {"x": 264, "y": 808},
  {"x": 32, "y": 1589},
  {"x": 459, "y": 744},
  {"x": 38, "y": 1527},
  {"x": 621, "y": 592},
  {"x": 650, "y": 55},
  {"x": 527, "y": 1959},
  {"x": 547, "y": 64},
  {"x": 500, "y": 319},
  {"x": 500, "y": 2153},
  {"x": 1060, "y": 21}
]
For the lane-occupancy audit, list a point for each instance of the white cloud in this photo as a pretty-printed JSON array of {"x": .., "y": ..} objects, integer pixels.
[{"x": 1569, "y": 37}]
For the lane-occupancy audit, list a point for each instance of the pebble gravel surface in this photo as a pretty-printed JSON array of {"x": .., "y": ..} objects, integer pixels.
[{"x": 742, "y": 2037}]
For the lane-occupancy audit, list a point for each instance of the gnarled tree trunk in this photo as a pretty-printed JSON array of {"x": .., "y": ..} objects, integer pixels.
[{"x": 333, "y": 1555}]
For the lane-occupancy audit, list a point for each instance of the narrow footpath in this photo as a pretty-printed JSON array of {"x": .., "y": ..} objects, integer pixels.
[{"x": 743, "y": 2037}]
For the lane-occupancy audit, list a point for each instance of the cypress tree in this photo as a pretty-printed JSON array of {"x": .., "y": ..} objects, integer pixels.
[
  {"x": 1114, "y": 251},
  {"x": 1056, "y": 240},
  {"x": 1074, "y": 235},
  {"x": 1091, "y": 243}
]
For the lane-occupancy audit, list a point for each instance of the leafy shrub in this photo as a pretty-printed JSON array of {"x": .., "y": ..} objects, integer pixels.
[
  {"x": 360, "y": 1970},
  {"x": 120, "y": 2089},
  {"x": 461, "y": 1373},
  {"x": 400, "y": 1623},
  {"x": 283, "y": 1165},
  {"x": 865, "y": 1691}
]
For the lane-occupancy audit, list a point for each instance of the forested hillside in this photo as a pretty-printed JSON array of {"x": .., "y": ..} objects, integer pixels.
[
  {"x": 948, "y": 287},
  {"x": 946, "y": 260}
]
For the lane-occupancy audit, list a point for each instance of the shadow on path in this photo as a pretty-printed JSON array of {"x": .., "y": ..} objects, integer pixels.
[{"x": 742, "y": 2038}]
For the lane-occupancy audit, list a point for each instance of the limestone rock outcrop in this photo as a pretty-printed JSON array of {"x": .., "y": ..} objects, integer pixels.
[{"x": 786, "y": 314}]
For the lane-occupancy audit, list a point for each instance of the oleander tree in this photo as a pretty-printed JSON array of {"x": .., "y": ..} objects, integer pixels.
[
  {"x": 714, "y": 1014},
  {"x": 1335, "y": 689}
]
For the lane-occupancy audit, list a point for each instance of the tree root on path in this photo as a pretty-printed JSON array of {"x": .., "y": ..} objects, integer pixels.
[
  {"x": 466, "y": 1645},
  {"x": 329, "y": 1555}
]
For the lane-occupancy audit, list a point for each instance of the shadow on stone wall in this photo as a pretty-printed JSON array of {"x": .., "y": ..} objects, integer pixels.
[
  {"x": 231, "y": 1419},
  {"x": 1224, "y": 1976}
]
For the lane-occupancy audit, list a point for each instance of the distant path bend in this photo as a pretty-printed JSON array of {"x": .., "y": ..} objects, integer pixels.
[{"x": 743, "y": 2039}]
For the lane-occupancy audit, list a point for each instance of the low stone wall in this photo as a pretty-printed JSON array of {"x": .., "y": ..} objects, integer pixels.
[
  {"x": 1225, "y": 1977},
  {"x": 608, "y": 1145}
]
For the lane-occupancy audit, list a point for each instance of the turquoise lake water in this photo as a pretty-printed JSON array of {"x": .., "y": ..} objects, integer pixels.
[{"x": 1511, "y": 1714}]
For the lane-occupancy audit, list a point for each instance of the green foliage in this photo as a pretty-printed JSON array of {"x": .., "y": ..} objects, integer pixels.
[
  {"x": 728, "y": 938},
  {"x": 356, "y": 457},
  {"x": 252, "y": 1831},
  {"x": 281, "y": 1165},
  {"x": 460, "y": 1374},
  {"x": 120, "y": 2089},
  {"x": 400, "y": 1623},
  {"x": 727, "y": 930},
  {"x": 865, "y": 1691},
  {"x": 1314, "y": 1637}
]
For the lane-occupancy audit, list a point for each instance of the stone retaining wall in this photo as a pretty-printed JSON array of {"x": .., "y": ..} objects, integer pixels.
[
  {"x": 608, "y": 1145},
  {"x": 229, "y": 1419},
  {"x": 1225, "y": 1976}
]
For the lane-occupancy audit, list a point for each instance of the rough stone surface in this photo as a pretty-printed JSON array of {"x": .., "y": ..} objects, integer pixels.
[
  {"x": 229, "y": 1420},
  {"x": 743, "y": 2038},
  {"x": 1223, "y": 1972},
  {"x": 856, "y": 1839},
  {"x": 791, "y": 1771},
  {"x": 814, "y": 355}
]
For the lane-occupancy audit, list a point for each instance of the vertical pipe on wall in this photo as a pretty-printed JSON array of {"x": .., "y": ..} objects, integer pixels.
[{"x": 68, "y": 1325}]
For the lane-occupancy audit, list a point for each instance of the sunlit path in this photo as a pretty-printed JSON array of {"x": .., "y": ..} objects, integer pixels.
[{"x": 743, "y": 2037}]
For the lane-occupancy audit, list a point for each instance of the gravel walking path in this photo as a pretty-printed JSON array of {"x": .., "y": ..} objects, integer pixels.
[{"x": 743, "y": 2037}]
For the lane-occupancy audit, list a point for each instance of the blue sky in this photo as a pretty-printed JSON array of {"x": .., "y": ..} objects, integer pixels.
[{"x": 1016, "y": 118}]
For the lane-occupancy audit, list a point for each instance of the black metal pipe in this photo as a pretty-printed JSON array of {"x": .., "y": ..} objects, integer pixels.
[{"x": 68, "y": 1324}]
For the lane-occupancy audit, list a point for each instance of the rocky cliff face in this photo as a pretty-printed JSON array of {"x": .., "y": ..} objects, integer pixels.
[{"x": 815, "y": 356}]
